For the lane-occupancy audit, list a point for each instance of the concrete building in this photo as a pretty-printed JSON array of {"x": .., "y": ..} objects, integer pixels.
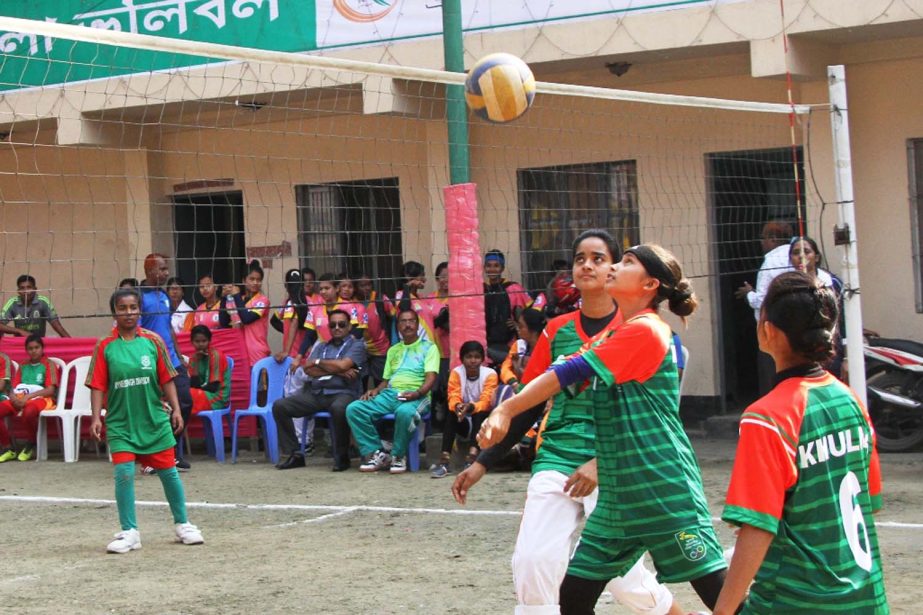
[{"x": 247, "y": 159}]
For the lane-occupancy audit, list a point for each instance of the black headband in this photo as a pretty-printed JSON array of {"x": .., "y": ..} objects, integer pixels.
[{"x": 656, "y": 269}]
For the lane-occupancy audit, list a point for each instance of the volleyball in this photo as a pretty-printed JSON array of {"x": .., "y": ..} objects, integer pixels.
[{"x": 500, "y": 87}]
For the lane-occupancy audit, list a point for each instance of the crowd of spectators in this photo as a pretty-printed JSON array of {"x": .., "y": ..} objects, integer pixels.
[{"x": 355, "y": 353}]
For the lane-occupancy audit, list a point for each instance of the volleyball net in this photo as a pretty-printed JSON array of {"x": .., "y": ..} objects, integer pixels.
[{"x": 118, "y": 144}]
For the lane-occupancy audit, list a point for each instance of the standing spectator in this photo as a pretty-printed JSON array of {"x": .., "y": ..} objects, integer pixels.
[
  {"x": 35, "y": 387},
  {"x": 156, "y": 317},
  {"x": 208, "y": 312},
  {"x": 501, "y": 298},
  {"x": 378, "y": 308},
  {"x": 290, "y": 318},
  {"x": 346, "y": 301},
  {"x": 472, "y": 388},
  {"x": 335, "y": 370},
  {"x": 316, "y": 320},
  {"x": 29, "y": 311},
  {"x": 131, "y": 372},
  {"x": 128, "y": 283},
  {"x": 179, "y": 309},
  {"x": 249, "y": 310},
  {"x": 438, "y": 306},
  {"x": 410, "y": 373},
  {"x": 410, "y": 297},
  {"x": 310, "y": 286},
  {"x": 775, "y": 239}
]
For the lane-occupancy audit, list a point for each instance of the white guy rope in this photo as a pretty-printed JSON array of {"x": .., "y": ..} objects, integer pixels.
[{"x": 249, "y": 54}]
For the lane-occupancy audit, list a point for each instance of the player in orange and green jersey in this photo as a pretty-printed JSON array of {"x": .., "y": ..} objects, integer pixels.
[
  {"x": 131, "y": 374},
  {"x": 806, "y": 478},
  {"x": 650, "y": 488},
  {"x": 6, "y": 376},
  {"x": 209, "y": 373}
]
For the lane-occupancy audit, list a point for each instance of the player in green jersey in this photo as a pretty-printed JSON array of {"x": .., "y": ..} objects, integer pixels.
[
  {"x": 806, "y": 478},
  {"x": 650, "y": 488},
  {"x": 562, "y": 491},
  {"x": 131, "y": 373}
]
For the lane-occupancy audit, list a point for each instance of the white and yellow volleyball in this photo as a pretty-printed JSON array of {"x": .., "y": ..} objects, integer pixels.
[{"x": 500, "y": 87}]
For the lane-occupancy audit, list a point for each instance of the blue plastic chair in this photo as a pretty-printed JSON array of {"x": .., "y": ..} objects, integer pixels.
[
  {"x": 413, "y": 448},
  {"x": 333, "y": 436},
  {"x": 275, "y": 375},
  {"x": 213, "y": 422}
]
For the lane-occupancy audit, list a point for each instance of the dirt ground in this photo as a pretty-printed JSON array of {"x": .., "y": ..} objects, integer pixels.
[{"x": 268, "y": 550}]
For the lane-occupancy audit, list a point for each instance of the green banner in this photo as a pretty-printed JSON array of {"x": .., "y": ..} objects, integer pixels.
[{"x": 28, "y": 60}]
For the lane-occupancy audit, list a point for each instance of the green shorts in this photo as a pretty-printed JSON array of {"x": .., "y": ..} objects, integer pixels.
[{"x": 678, "y": 556}]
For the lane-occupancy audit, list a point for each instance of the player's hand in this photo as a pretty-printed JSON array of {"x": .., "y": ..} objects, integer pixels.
[
  {"x": 367, "y": 395},
  {"x": 466, "y": 480},
  {"x": 96, "y": 428},
  {"x": 280, "y": 356},
  {"x": 176, "y": 420},
  {"x": 494, "y": 429},
  {"x": 583, "y": 481},
  {"x": 296, "y": 363},
  {"x": 743, "y": 291}
]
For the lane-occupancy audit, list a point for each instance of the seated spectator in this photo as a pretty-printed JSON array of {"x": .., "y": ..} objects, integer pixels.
[
  {"x": 209, "y": 373},
  {"x": 410, "y": 373},
  {"x": 472, "y": 388},
  {"x": 179, "y": 309},
  {"x": 208, "y": 312},
  {"x": 6, "y": 375},
  {"x": 35, "y": 388},
  {"x": 335, "y": 369},
  {"x": 501, "y": 299},
  {"x": 29, "y": 312},
  {"x": 529, "y": 326}
]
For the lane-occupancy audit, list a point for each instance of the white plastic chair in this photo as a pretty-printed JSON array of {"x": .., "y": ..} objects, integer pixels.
[{"x": 75, "y": 371}]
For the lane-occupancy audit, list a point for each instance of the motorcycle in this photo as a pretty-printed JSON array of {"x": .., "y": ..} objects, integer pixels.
[{"x": 894, "y": 383}]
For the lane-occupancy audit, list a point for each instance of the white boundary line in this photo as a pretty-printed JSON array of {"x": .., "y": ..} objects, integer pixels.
[
  {"x": 225, "y": 506},
  {"x": 333, "y": 510}
]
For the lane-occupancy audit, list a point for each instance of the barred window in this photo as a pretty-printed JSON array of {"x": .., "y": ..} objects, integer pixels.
[{"x": 557, "y": 203}]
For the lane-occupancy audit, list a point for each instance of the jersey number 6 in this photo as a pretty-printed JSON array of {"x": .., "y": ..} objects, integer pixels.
[{"x": 854, "y": 521}]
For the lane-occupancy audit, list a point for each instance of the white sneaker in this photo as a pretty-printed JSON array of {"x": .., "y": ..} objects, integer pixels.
[
  {"x": 125, "y": 541},
  {"x": 188, "y": 534},
  {"x": 379, "y": 460},
  {"x": 398, "y": 465}
]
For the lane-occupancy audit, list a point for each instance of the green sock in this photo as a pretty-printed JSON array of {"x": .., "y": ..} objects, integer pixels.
[
  {"x": 173, "y": 489},
  {"x": 125, "y": 494}
]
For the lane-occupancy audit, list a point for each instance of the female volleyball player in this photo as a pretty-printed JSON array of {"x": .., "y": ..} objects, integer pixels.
[
  {"x": 131, "y": 370},
  {"x": 650, "y": 488},
  {"x": 806, "y": 477},
  {"x": 562, "y": 490}
]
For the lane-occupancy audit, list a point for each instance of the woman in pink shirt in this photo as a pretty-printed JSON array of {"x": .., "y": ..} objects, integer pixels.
[
  {"x": 206, "y": 314},
  {"x": 249, "y": 311},
  {"x": 289, "y": 319}
]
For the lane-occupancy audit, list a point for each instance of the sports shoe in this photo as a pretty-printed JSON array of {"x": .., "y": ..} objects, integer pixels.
[
  {"x": 398, "y": 465},
  {"x": 148, "y": 470},
  {"x": 379, "y": 460},
  {"x": 26, "y": 454},
  {"x": 182, "y": 465},
  {"x": 125, "y": 541},
  {"x": 309, "y": 448},
  {"x": 9, "y": 455},
  {"x": 440, "y": 470},
  {"x": 188, "y": 534}
]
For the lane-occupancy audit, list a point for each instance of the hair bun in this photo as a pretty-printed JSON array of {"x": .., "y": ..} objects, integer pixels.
[{"x": 682, "y": 300}]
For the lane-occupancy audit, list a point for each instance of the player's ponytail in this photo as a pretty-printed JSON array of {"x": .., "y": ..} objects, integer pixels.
[
  {"x": 675, "y": 289},
  {"x": 803, "y": 309}
]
